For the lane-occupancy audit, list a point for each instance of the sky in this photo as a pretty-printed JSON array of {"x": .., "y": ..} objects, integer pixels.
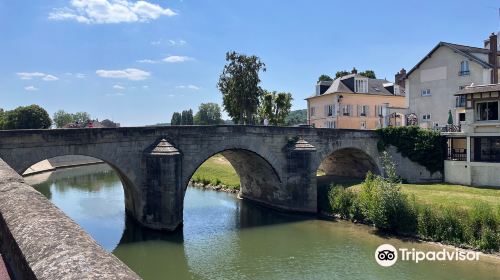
[{"x": 137, "y": 62}]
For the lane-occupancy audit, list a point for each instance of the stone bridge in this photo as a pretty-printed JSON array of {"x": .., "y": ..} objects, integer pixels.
[{"x": 277, "y": 165}]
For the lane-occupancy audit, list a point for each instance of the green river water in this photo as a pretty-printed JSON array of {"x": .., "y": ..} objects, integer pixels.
[{"x": 227, "y": 238}]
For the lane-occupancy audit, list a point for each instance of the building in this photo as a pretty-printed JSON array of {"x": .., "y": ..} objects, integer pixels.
[
  {"x": 432, "y": 84},
  {"x": 474, "y": 151},
  {"x": 356, "y": 102}
]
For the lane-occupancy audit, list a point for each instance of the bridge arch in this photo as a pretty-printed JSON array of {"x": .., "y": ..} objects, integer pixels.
[
  {"x": 22, "y": 162},
  {"x": 348, "y": 162},
  {"x": 257, "y": 168}
]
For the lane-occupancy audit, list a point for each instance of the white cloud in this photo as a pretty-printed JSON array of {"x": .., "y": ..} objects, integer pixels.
[
  {"x": 50, "y": 78},
  {"x": 177, "y": 42},
  {"x": 150, "y": 61},
  {"x": 177, "y": 59},
  {"x": 168, "y": 59},
  {"x": 31, "y": 75},
  {"x": 118, "y": 87},
  {"x": 80, "y": 75},
  {"x": 31, "y": 88},
  {"x": 192, "y": 87},
  {"x": 110, "y": 11},
  {"x": 115, "y": 94},
  {"x": 129, "y": 73}
]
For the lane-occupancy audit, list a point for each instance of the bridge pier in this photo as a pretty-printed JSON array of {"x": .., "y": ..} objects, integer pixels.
[{"x": 162, "y": 189}]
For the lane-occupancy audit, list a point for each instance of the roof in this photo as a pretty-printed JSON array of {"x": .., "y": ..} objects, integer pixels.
[
  {"x": 345, "y": 84},
  {"x": 479, "y": 88},
  {"x": 466, "y": 51}
]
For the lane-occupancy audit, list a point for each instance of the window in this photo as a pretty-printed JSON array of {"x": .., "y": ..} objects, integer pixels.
[
  {"x": 346, "y": 110},
  {"x": 361, "y": 85},
  {"x": 487, "y": 111},
  {"x": 329, "y": 110},
  {"x": 464, "y": 68},
  {"x": 330, "y": 124},
  {"x": 461, "y": 117},
  {"x": 363, "y": 125},
  {"x": 426, "y": 117},
  {"x": 426, "y": 92},
  {"x": 486, "y": 149},
  {"x": 363, "y": 110},
  {"x": 379, "y": 111},
  {"x": 460, "y": 101},
  {"x": 313, "y": 111}
]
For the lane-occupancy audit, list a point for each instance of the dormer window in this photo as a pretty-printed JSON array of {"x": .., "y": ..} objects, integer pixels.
[
  {"x": 464, "y": 68},
  {"x": 361, "y": 85}
]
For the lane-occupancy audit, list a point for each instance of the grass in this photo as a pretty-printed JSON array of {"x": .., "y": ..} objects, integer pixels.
[
  {"x": 450, "y": 195},
  {"x": 217, "y": 171}
]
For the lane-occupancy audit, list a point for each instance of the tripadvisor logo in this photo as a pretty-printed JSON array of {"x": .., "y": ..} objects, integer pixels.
[{"x": 386, "y": 255}]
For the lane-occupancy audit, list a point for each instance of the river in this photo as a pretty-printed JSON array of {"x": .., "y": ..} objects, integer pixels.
[{"x": 227, "y": 238}]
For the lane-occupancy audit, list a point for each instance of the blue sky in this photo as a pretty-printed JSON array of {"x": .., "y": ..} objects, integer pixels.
[{"x": 137, "y": 62}]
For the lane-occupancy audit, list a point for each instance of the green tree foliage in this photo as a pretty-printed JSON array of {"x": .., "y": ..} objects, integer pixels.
[
  {"x": 81, "y": 117},
  {"x": 239, "y": 85},
  {"x": 275, "y": 106},
  {"x": 2, "y": 114},
  {"x": 423, "y": 146},
  {"x": 187, "y": 117},
  {"x": 27, "y": 117},
  {"x": 342, "y": 73},
  {"x": 208, "y": 114},
  {"x": 62, "y": 118},
  {"x": 450, "y": 117},
  {"x": 324, "y": 78},
  {"x": 296, "y": 117},
  {"x": 176, "y": 119},
  {"x": 369, "y": 74}
]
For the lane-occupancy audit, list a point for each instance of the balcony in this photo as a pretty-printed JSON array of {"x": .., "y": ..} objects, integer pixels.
[
  {"x": 451, "y": 128},
  {"x": 464, "y": 73}
]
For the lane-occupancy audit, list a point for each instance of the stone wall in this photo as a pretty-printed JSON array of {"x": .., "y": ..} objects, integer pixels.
[{"x": 40, "y": 242}]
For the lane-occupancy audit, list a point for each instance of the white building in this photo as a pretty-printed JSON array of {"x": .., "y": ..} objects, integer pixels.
[{"x": 432, "y": 84}]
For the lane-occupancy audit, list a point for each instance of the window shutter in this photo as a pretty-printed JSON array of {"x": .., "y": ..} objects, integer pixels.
[
  {"x": 325, "y": 110},
  {"x": 359, "y": 110},
  {"x": 376, "y": 110},
  {"x": 367, "y": 110},
  {"x": 334, "y": 112},
  {"x": 350, "y": 110}
]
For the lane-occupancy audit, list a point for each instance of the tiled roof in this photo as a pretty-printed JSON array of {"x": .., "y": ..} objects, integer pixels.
[{"x": 466, "y": 51}]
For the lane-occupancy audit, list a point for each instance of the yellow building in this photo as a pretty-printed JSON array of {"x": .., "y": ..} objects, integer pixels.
[{"x": 356, "y": 102}]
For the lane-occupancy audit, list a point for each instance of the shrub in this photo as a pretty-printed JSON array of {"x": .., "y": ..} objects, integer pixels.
[
  {"x": 482, "y": 227},
  {"x": 451, "y": 226},
  {"x": 384, "y": 204},
  {"x": 423, "y": 146},
  {"x": 341, "y": 201},
  {"x": 427, "y": 223}
]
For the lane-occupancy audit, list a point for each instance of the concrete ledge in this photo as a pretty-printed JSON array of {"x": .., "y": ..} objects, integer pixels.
[{"x": 40, "y": 242}]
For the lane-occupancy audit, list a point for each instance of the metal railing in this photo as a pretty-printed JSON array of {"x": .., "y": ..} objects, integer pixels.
[{"x": 457, "y": 154}]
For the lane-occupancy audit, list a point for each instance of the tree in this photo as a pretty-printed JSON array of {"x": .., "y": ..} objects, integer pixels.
[
  {"x": 81, "y": 117},
  {"x": 340, "y": 74},
  {"x": 296, "y": 117},
  {"x": 369, "y": 74},
  {"x": 324, "y": 78},
  {"x": 187, "y": 117},
  {"x": 27, "y": 117},
  {"x": 176, "y": 119},
  {"x": 208, "y": 114},
  {"x": 239, "y": 85},
  {"x": 61, "y": 118},
  {"x": 450, "y": 117},
  {"x": 275, "y": 107},
  {"x": 2, "y": 114}
]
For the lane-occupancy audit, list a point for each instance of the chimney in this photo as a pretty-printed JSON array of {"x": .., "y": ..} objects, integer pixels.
[
  {"x": 493, "y": 57},
  {"x": 399, "y": 78},
  {"x": 354, "y": 70}
]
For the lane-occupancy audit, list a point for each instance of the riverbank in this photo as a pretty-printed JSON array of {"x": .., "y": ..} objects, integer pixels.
[{"x": 55, "y": 163}]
